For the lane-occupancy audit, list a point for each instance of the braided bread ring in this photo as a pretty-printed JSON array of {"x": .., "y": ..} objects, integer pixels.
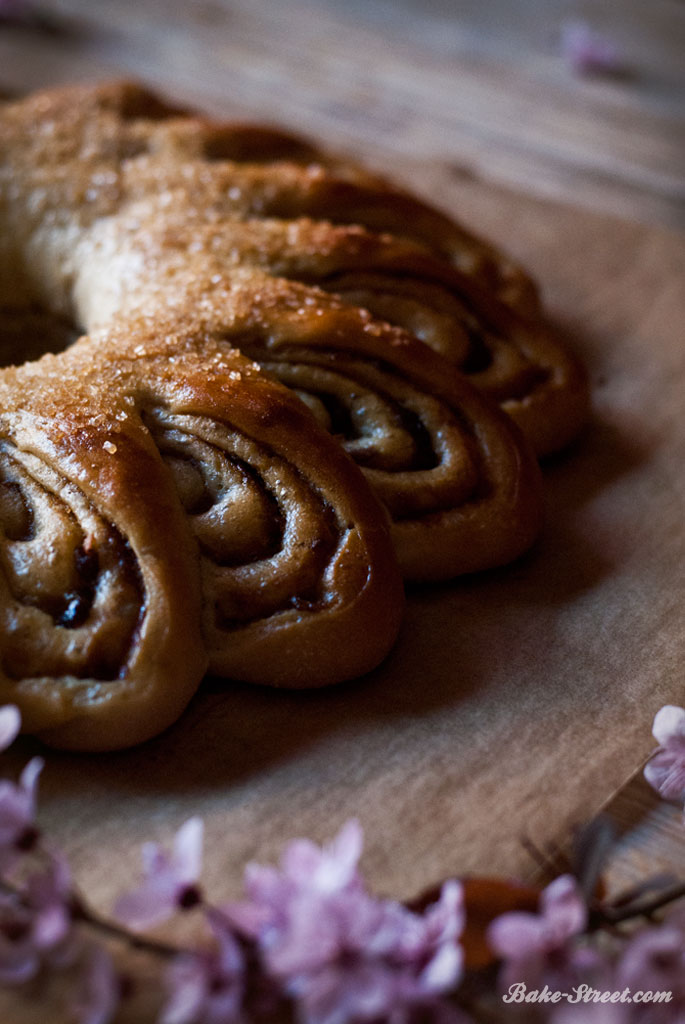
[
  {"x": 158, "y": 261},
  {"x": 159, "y": 244}
]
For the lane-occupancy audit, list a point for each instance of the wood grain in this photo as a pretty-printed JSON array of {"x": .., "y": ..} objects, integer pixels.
[{"x": 481, "y": 88}]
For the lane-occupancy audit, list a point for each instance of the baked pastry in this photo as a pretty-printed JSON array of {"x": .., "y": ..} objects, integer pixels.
[
  {"x": 167, "y": 505},
  {"x": 93, "y": 151},
  {"x": 152, "y": 232},
  {"x": 273, "y": 567},
  {"x": 471, "y": 302}
]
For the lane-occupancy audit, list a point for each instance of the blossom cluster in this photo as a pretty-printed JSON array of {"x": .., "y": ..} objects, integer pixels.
[{"x": 310, "y": 938}]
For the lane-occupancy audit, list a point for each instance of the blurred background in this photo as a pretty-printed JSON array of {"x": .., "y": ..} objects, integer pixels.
[{"x": 578, "y": 101}]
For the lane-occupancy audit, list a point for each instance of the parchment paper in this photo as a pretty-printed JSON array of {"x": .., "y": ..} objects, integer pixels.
[{"x": 515, "y": 702}]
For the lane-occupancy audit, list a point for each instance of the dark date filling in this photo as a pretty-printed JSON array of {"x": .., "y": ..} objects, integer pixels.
[
  {"x": 341, "y": 422},
  {"x": 78, "y": 603},
  {"x": 342, "y": 426},
  {"x": 479, "y": 356},
  {"x": 98, "y": 587}
]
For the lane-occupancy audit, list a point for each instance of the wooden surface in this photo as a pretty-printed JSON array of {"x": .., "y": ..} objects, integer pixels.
[
  {"x": 480, "y": 88},
  {"x": 458, "y": 100}
]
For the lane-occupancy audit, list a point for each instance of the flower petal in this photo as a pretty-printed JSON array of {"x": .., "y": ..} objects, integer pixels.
[
  {"x": 655, "y": 959},
  {"x": 516, "y": 935},
  {"x": 564, "y": 908},
  {"x": 310, "y": 941},
  {"x": 100, "y": 992},
  {"x": 153, "y": 903},
  {"x": 445, "y": 919},
  {"x": 51, "y": 926},
  {"x": 28, "y": 779},
  {"x": 267, "y": 885},
  {"x": 154, "y": 859},
  {"x": 669, "y": 723},
  {"x": 666, "y": 773},
  {"x": 186, "y": 982},
  {"x": 340, "y": 858},
  {"x": 444, "y": 970},
  {"x": 187, "y": 857},
  {"x": 10, "y": 724}
]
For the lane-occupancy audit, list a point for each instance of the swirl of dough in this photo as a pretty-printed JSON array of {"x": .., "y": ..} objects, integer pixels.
[
  {"x": 294, "y": 549},
  {"x": 515, "y": 361},
  {"x": 87, "y": 581},
  {"x": 200, "y": 514},
  {"x": 164, "y": 505},
  {"x": 255, "y": 197},
  {"x": 413, "y": 425},
  {"x": 101, "y": 647},
  {"x": 246, "y": 184},
  {"x": 295, "y": 552},
  {"x": 461, "y": 487},
  {"x": 424, "y": 439}
]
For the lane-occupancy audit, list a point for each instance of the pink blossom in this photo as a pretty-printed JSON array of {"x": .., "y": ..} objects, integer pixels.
[
  {"x": 48, "y": 894},
  {"x": 535, "y": 946},
  {"x": 10, "y": 724},
  {"x": 170, "y": 881},
  {"x": 207, "y": 987},
  {"x": 100, "y": 991},
  {"x": 36, "y": 924},
  {"x": 18, "y": 959},
  {"x": 654, "y": 960},
  {"x": 17, "y": 814},
  {"x": 595, "y": 970},
  {"x": 589, "y": 51},
  {"x": 340, "y": 953},
  {"x": 305, "y": 869},
  {"x": 666, "y": 769}
]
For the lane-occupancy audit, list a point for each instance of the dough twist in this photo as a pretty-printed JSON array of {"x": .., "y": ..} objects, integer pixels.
[
  {"x": 165, "y": 508},
  {"x": 167, "y": 505}
]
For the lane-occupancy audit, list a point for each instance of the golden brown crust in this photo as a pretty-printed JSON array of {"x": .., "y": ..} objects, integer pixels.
[
  {"x": 446, "y": 465},
  {"x": 285, "y": 176},
  {"x": 279, "y": 204},
  {"x": 102, "y": 643},
  {"x": 178, "y": 231},
  {"x": 461, "y": 486},
  {"x": 101, "y": 647},
  {"x": 172, "y": 242}
]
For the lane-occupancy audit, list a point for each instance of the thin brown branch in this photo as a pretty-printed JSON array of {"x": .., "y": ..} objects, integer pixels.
[
  {"x": 82, "y": 912},
  {"x": 642, "y": 908}
]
